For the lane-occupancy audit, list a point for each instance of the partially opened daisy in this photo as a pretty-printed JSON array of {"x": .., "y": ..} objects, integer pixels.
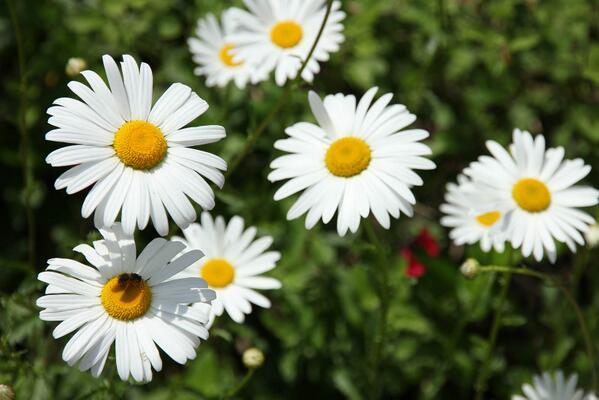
[
  {"x": 535, "y": 190},
  {"x": 356, "y": 160},
  {"x": 135, "y": 302},
  {"x": 136, "y": 155},
  {"x": 278, "y": 35},
  {"x": 213, "y": 53},
  {"x": 470, "y": 220},
  {"x": 233, "y": 264},
  {"x": 553, "y": 387}
]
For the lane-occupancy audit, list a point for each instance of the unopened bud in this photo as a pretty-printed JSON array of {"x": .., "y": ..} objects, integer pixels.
[
  {"x": 6, "y": 392},
  {"x": 74, "y": 66},
  {"x": 470, "y": 268},
  {"x": 253, "y": 358},
  {"x": 592, "y": 236}
]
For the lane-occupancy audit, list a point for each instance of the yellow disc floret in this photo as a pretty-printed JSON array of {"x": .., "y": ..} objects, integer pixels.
[
  {"x": 140, "y": 144},
  {"x": 126, "y": 297},
  {"x": 226, "y": 56},
  {"x": 488, "y": 219},
  {"x": 531, "y": 195},
  {"x": 218, "y": 272},
  {"x": 347, "y": 156},
  {"x": 286, "y": 34}
]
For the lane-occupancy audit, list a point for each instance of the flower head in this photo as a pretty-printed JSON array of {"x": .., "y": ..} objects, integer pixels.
[
  {"x": 534, "y": 190},
  {"x": 136, "y": 302},
  {"x": 234, "y": 260},
  {"x": 278, "y": 35},
  {"x": 357, "y": 160},
  {"x": 553, "y": 387},
  {"x": 136, "y": 155}
]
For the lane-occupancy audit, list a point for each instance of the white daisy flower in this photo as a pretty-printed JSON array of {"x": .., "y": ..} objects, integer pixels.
[
  {"x": 233, "y": 264},
  {"x": 356, "y": 160},
  {"x": 533, "y": 187},
  {"x": 132, "y": 301},
  {"x": 278, "y": 35},
  {"x": 471, "y": 224},
  {"x": 553, "y": 387},
  {"x": 213, "y": 53},
  {"x": 136, "y": 156}
]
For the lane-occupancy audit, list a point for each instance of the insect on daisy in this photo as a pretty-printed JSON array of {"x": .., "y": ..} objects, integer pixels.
[
  {"x": 470, "y": 224},
  {"x": 553, "y": 387},
  {"x": 356, "y": 160},
  {"x": 278, "y": 35},
  {"x": 534, "y": 189},
  {"x": 213, "y": 53},
  {"x": 233, "y": 264},
  {"x": 135, "y": 302},
  {"x": 136, "y": 155}
]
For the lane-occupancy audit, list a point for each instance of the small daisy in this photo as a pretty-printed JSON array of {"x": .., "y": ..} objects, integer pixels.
[
  {"x": 356, "y": 160},
  {"x": 214, "y": 54},
  {"x": 553, "y": 387},
  {"x": 136, "y": 156},
  {"x": 278, "y": 35},
  {"x": 469, "y": 223},
  {"x": 132, "y": 301},
  {"x": 232, "y": 265},
  {"x": 535, "y": 190}
]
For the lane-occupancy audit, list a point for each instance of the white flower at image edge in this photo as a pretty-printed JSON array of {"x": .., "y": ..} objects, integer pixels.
[
  {"x": 278, "y": 35},
  {"x": 233, "y": 263},
  {"x": 135, "y": 302},
  {"x": 535, "y": 191},
  {"x": 553, "y": 387},
  {"x": 357, "y": 160},
  {"x": 136, "y": 155}
]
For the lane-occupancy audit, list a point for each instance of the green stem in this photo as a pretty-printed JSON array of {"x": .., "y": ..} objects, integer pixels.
[
  {"x": 384, "y": 293},
  {"x": 26, "y": 164},
  {"x": 579, "y": 316},
  {"x": 481, "y": 381},
  {"x": 241, "y": 384},
  {"x": 255, "y": 135}
]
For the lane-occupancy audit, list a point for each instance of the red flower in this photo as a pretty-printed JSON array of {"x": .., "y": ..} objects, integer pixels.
[
  {"x": 427, "y": 242},
  {"x": 415, "y": 268}
]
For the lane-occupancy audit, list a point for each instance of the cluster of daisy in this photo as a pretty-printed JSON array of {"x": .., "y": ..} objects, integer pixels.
[
  {"x": 269, "y": 35},
  {"x": 526, "y": 196},
  {"x": 138, "y": 160}
]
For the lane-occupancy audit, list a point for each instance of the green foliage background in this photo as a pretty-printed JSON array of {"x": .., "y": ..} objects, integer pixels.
[{"x": 472, "y": 70}]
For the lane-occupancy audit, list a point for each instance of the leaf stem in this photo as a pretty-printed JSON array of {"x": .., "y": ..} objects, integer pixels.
[
  {"x": 241, "y": 384},
  {"x": 24, "y": 148}
]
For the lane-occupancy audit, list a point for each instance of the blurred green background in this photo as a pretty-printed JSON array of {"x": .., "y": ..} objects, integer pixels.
[{"x": 471, "y": 70}]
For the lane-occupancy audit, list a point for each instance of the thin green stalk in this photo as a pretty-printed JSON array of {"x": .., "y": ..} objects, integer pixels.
[
  {"x": 241, "y": 384},
  {"x": 483, "y": 375},
  {"x": 571, "y": 300},
  {"x": 384, "y": 293},
  {"x": 27, "y": 168},
  {"x": 255, "y": 135}
]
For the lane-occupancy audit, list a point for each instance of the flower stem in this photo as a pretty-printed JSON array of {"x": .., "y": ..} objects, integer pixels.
[
  {"x": 26, "y": 164},
  {"x": 241, "y": 384},
  {"x": 384, "y": 293},
  {"x": 255, "y": 135},
  {"x": 483, "y": 375},
  {"x": 571, "y": 300}
]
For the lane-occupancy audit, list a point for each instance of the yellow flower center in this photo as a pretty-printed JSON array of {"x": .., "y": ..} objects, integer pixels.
[
  {"x": 286, "y": 34},
  {"x": 140, "y": 144},
  {"x": 227, "y": 57},
  {"x": 531, "y": 195},
  {"x": 488, "y": 219},
  {"x": 126, "y": 297},
  {"x": 347, "y": 157},
  {"x": 218, "y": 272}
]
